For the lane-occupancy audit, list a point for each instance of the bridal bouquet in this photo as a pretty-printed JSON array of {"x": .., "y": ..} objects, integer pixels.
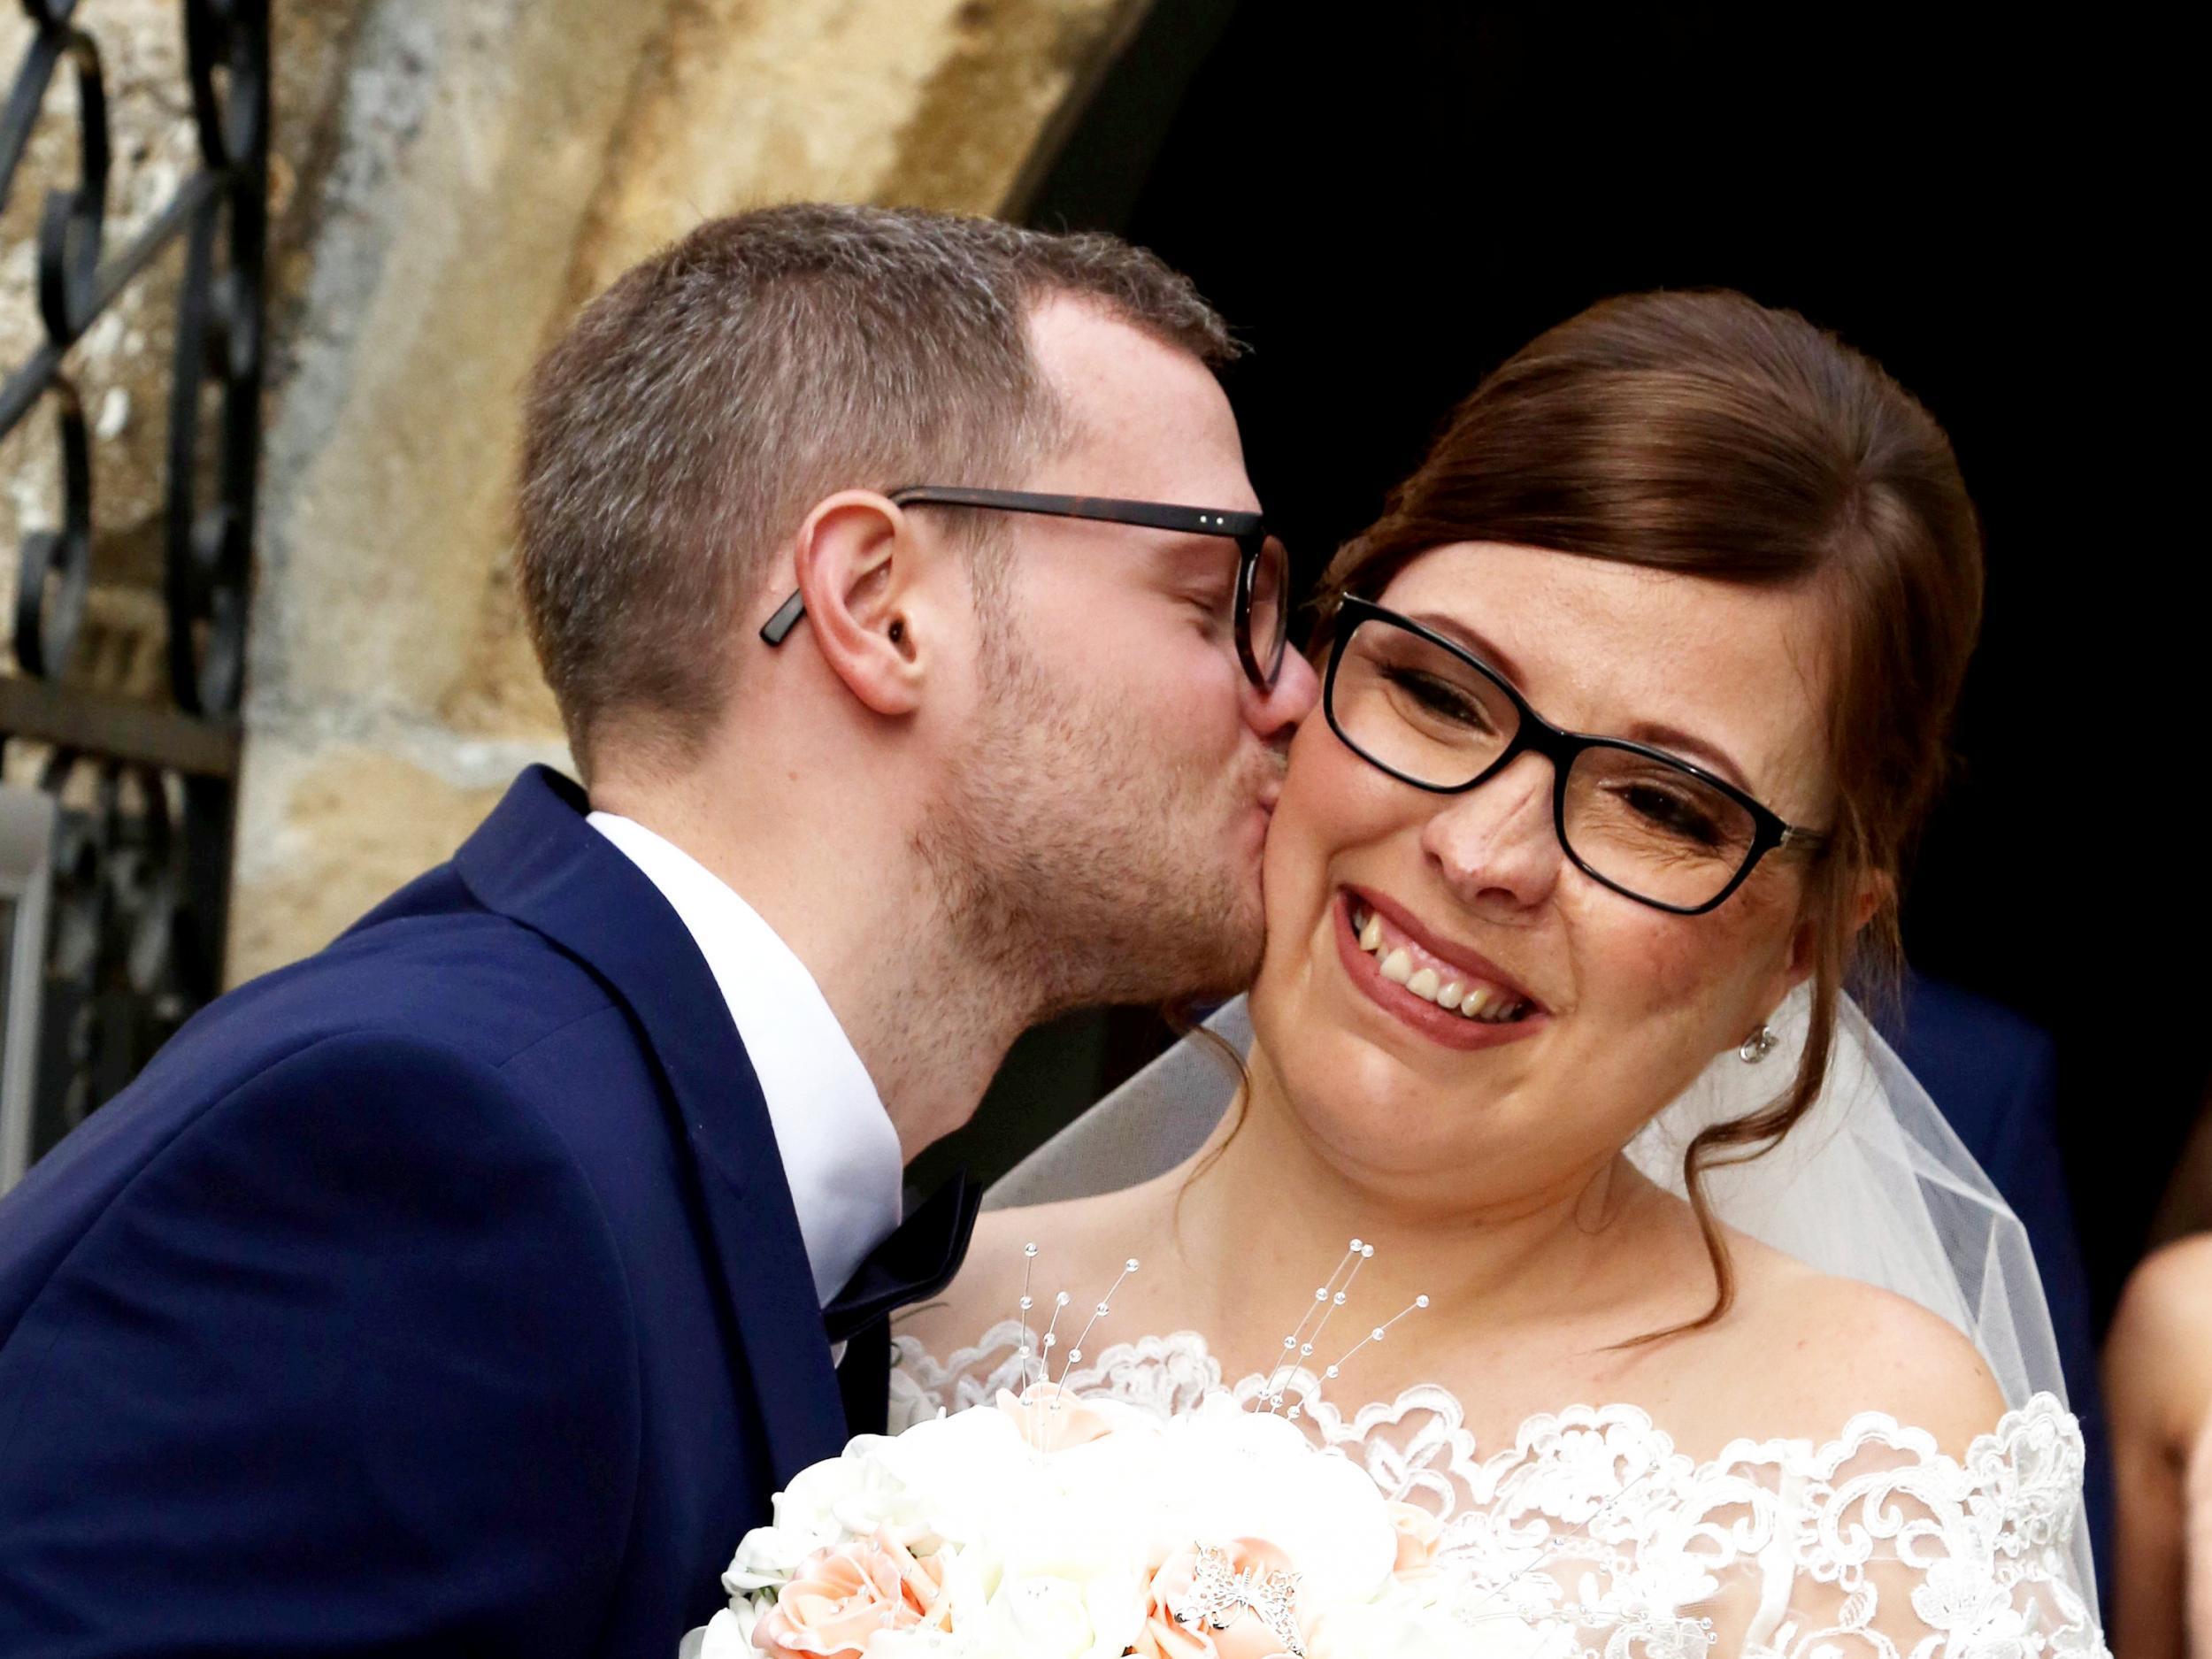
[{"x": 1058, "y": 1528}]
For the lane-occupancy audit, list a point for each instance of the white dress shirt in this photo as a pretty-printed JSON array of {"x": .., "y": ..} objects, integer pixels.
[{"x": 840, "y": 1154}]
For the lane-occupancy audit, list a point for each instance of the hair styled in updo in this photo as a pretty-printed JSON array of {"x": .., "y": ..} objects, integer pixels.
[{"x": 1705, "y": 434}]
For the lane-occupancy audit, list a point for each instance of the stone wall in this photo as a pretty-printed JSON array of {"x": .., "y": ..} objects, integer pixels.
[{"x": 456, "y": 177}]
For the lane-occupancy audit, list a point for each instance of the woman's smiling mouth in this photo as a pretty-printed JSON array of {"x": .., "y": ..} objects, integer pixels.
[{"x": 1441, "y": 995}]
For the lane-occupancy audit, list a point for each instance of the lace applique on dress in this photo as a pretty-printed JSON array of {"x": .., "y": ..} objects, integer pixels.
[{"x": 1596, "y": 1531}]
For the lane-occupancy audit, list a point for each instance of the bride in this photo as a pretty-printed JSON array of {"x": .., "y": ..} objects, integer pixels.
[{"x": 1636, "y": 695}]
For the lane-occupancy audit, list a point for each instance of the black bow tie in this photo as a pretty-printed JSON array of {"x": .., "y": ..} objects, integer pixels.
[{"x": 913, "y": 1265}]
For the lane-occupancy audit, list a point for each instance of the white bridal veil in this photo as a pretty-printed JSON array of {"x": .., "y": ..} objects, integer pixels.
[{"x": 1872, "y": 1184}]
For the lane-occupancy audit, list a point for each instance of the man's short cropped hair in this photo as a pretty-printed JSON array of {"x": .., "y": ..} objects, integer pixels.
[{"x": 679, "y": 433}]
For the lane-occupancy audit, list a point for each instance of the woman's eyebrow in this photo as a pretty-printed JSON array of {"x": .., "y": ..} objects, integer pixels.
[
  {"x": 1453, "y": 629},
  {"x": 1709, "y": 754},
  {"x": 1690, "y": 747}
]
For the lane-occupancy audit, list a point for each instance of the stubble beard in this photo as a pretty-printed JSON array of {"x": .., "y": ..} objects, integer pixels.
[{"x": 1080, "y": 865}]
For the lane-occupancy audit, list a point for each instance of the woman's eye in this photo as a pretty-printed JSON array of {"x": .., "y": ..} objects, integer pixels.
[
  {"x": 1672, "y": 812},
  {"x": 1438, "y": 697}
]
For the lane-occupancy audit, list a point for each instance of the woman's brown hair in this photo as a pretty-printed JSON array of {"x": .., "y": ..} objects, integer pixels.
[{"x": 1704, "y": 433}]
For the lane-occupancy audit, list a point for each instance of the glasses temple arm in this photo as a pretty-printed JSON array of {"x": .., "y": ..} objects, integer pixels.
[{"x": 787, "y": 617}]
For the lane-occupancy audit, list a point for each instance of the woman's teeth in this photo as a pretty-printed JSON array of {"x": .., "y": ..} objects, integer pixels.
[{"x": 1487, "y": 1003}]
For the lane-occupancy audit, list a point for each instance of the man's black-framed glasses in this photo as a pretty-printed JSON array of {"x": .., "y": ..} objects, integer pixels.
[
  {"x": 1262, "y": 602},
  {"x": 1647, "y": 824}
]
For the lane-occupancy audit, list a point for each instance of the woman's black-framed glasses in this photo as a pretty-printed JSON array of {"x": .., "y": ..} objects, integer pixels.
[
  {"x": 1262, "y": 604},
  {"x": 1649, "y": 826}
]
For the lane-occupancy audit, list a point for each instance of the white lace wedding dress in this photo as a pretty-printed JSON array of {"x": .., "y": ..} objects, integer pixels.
[
  {"x": 1593, "y": 1530},
  {"x": 1590, "y": 1526}
]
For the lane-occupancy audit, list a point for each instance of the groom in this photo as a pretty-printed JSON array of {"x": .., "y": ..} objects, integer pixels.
[{"x": 468, "y": 1288}]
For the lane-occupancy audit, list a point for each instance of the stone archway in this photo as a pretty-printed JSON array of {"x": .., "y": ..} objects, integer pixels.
[{"x": 493, "y": 165}]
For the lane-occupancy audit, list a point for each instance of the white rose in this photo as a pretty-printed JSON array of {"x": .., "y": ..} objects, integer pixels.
[
  {"x": 977, "y": 1478},
  {"x": 1045, "y": 1616},
  {"x": 1053, "y": 1539},
  {"x": 861, "y": 1491},
  {"x": 1077, "y": 1532},
  {"x": 1058, "y": 1577},
  {"x": 1116, "y": 1603},
  {"x": 842, "y": 1497},
  {"x": 768, "y": 1555},
  {"x": 727, "y": 1635},
  {"x": 965, "y": 1475}
]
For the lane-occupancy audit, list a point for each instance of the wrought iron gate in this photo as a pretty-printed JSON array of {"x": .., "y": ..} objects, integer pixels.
[{"x": 141, "y": 848}]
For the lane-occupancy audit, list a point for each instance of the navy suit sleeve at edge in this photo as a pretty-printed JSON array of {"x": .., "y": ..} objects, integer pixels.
[{"x": 348, "y": 1368}]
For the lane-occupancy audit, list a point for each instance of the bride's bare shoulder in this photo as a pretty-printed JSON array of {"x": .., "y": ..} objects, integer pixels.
[
  {"x": 1069, "y": 1236},
  {"x": 1819, "y": 1350}
]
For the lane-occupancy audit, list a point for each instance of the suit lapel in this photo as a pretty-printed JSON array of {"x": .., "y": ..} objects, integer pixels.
[{"x": 536, "y": 860}]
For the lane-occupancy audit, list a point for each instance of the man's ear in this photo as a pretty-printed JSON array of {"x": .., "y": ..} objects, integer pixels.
[{"x": 856, "y": 562}]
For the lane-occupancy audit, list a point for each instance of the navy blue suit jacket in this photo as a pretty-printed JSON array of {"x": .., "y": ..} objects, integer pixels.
[{"x": 441, "y": 1295}]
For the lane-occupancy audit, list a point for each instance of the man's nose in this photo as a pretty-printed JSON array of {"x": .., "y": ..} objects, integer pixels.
[
  {"x": 1277, "y": 710},
  {"x": 1497, "y": 845}
]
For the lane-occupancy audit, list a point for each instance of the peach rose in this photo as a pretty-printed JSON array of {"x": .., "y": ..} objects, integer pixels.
[
  {"x": 1165, "y": 1638},
  {"x": 1051, "y": 1419},
  {"x": 1419, "y": 1534},
  {"x": 843, "y": 1596}
]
